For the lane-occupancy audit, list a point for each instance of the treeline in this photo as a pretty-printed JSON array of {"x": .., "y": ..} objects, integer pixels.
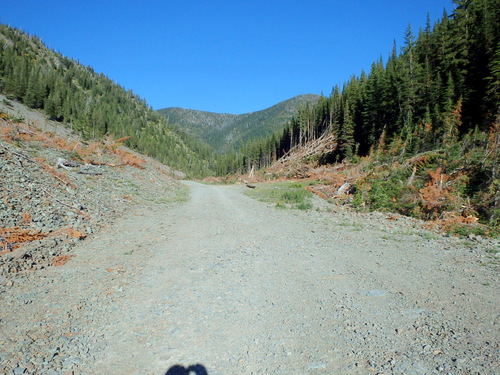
[
  {"x": 443, "y": 84},
  {"x": 91, "y": 103}
]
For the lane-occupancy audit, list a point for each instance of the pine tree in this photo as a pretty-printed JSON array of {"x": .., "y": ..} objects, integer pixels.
[
  {"x": 346, "y": 140},
  {"x": 493, "y": 81},
  {"x": 34, "y": 95},
  {"x": 374, "y": 109},
  {"x": 452, "y": 122}
]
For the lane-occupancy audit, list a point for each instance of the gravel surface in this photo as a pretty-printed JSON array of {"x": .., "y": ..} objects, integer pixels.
[{"x": 229, "y": 285}]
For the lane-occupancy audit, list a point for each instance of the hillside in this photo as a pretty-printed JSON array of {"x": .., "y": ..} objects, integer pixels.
[
  {"x": 48, "y": 205},
  {"x": 419, "y": 132},
  {"x": 224, "y": 131},
  {"x": 91, "y": 103}
]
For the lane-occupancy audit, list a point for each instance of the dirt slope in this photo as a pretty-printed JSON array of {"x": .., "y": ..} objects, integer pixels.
[
  {"x": 46, "y": 208},
  {"x": 235, "y": 286}
]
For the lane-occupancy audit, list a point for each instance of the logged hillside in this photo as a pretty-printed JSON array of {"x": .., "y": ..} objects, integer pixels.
[
  {"x": 57, "y": 189},
  {"x": 92, "y": 104},
  {"x": 422, "y": 130},
  {"x": 225, "y": 131}
]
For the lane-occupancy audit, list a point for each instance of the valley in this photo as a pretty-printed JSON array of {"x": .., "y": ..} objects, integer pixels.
[{"x": 355, "y": 233}]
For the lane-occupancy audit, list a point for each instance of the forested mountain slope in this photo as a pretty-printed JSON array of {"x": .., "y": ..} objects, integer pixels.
[
  {"x": 91, "y": 103},
  {"x": 224, "y": 131},
  {"x": 426, "y": 123}
]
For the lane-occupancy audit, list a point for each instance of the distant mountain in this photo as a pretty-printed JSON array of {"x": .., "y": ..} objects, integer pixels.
[{"x": 223, "y": 131}]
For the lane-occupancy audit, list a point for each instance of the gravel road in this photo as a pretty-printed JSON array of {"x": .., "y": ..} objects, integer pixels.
[{"x": 235, "y": 286}]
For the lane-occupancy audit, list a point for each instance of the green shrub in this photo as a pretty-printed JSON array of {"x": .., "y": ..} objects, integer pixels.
[
  {"x": 304, "y": 206},
  {"x": 283, "y": 194}
]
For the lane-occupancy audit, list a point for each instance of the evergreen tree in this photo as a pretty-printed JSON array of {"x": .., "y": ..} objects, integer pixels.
[
  {"x": 346, "y": 140},
  {"x": 34, "y": 92}
]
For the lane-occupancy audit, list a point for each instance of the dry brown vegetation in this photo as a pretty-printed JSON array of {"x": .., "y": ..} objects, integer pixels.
[
  {"x": 61, "y": 260},
  {"x": 70, "y": 232},
  {"x": 106, "y": 152},
  {"x": 12, "y": 238},
  {"x": 96, "y": 152}
]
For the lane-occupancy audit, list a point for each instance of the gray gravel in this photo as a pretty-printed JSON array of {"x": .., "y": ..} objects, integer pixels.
[
  {"x": 34, "y": 199},
  {"x": 239, "y": 287}
]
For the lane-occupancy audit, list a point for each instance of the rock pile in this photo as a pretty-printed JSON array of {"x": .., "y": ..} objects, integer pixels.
[{"x": 46, "y": 206}]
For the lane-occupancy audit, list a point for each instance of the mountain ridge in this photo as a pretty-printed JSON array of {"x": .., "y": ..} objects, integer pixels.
[
  {"x": 224, "y": 131},
  {"x": 91, "y": 104}
]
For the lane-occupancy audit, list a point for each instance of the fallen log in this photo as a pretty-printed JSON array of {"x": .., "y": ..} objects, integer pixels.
[
  {"x": 343, "y": 189},
  {"x": 89, "y": 169},
  {"x": 66, "y": 164}
]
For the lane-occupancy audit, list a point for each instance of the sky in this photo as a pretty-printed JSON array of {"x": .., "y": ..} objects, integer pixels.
[{"x": 226, "y": 56}]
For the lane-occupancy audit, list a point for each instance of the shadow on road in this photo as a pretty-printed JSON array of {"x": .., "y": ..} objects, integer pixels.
[{"x": 191, "y": 370}]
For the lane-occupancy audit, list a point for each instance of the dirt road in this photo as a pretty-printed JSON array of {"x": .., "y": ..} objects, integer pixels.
[{"x": 238, "y": 287}]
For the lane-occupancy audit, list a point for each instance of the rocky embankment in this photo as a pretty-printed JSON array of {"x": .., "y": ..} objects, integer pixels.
[{"x": 57, "y": 190}]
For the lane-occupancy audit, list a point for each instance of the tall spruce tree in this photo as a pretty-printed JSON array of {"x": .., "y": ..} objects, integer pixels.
[{"x": 346, "y": 140}]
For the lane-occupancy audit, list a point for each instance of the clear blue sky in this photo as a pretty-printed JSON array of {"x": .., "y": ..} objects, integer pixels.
[{"x": 219, "y": 55}]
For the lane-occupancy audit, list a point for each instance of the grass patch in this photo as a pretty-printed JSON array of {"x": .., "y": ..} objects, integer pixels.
[
  {"x": 283, "y": 195},
  {"x": 304, "y": 206},
  {"x": 398, "y": 234},
  {"x": 389, "y": 237},
  {"x": 423, "y": 234},
  {"x": 351, "y": 223},
  {"x": 8, "y": 103},
  {"x": 182, "y": 194},
  {"x": 429, "y": 235},
  {"x": 464, "y": 231}
]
